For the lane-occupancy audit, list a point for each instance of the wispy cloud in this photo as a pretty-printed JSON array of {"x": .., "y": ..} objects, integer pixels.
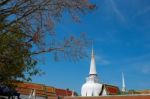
[
  {"x": 117, "y": 11},
  {"x": 108, "y": 37},
  {"x": 142, "y": 12},
  {"x": 146, "y": 69},
  {"x": 101, "y": 60},
  {"x": 140, "y": 64}
]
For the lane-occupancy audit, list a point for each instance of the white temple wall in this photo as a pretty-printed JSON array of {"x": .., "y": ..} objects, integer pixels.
[{"x": 27, "y": 97}]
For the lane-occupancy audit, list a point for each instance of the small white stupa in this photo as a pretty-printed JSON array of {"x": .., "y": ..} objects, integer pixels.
[{"x": 92, "y": 87}]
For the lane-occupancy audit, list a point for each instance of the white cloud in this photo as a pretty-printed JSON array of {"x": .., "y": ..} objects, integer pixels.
[
  {"x": 100, "y": 60},
  {"x": 146, "y": 70},
  {"x": 143, "y": 67},
  {"x": 142, "y": 11},
  {"x": 108, "y": 38},
  {"x": 139, "y": 64},
  {"x": 117, "y": 11}
]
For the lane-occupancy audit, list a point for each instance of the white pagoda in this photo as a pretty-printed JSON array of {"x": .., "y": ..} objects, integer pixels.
[{"x": 92, "y": 87}]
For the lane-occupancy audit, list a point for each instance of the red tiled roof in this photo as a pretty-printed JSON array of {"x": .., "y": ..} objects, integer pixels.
[
  {"x": 62, "y": 92},
  {"x": 111, "y": 90},
  {"x": 41, "y": 90}
]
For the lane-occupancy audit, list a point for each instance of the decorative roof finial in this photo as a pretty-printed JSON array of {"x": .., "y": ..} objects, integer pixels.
[
  {"x": 123, "y": 83},
  {"x": 72, "y": 93}
]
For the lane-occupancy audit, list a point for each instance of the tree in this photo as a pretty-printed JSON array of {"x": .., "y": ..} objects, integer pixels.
[
  {"x": 16, "y": 62},
  {"x": 26, "y": 23},
  {"x": 37, "y": 18}
]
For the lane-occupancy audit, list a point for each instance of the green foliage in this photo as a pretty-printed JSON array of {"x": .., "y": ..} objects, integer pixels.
[{"x": 16, "y": 62}]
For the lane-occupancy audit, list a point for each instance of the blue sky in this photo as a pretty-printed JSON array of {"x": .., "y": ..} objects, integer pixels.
[{"x": 121, "y": 33}]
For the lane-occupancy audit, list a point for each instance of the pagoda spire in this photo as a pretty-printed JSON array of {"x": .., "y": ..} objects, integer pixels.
[
  {"x": 92, "y": 66},
  {"x": 123, "y": 83}
]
